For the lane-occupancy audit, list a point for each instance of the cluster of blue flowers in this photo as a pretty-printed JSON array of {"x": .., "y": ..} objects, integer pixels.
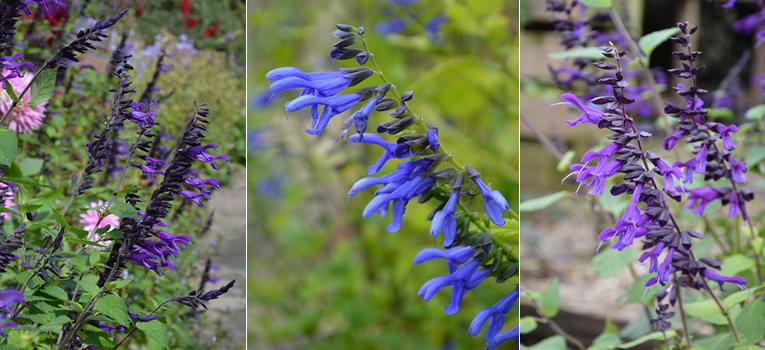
[{"x": 425, "y": 171}]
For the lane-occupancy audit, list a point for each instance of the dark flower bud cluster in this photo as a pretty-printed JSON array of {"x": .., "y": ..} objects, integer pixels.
[
  {"x": 425, "y": 172},
  {"x": 711, "y": 142},
  {"x": 84, "y": 41},
  {"x": 666, "y": 247}
]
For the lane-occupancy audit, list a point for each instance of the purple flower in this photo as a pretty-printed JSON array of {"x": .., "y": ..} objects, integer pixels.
[
  {"x": 433, "y": 26},
  {"x": 725, "y": 132},
  {"x": 392, "y": 26},
  {"x": 698, "y": 198},
  {"x": 199, "y": 152},
  {"x": 595, "y": 176},
  {"x": 589, "y": 114},
  {"x": 720, "y": 279},
  {"x": 333, "y": 106},
  {"x": 669, "y": 173},
  {"x": 152, "y": 167},
  {"x": 496, "y": 317},
  {"x": 729, "y": 4},
  {"x": 737, "y": 169}
]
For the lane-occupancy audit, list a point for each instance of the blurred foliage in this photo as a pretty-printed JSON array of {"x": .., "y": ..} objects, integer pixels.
[{"x": 321, "y": 277}]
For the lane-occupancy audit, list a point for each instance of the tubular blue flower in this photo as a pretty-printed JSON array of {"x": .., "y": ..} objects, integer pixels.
[
  {"x": 669, "y": 174},
  {"x": 494, "y": 204},
  {"x": 388, "y": 152},
  {"x": 496, "y": 316},
  {"x": 199, "y": 152},
  {"x": 333, "y": 106},
  {"x": 462, "y": 279},
  {"x": 455, "y": 256},
  {"x": 392, "y": 26},
  {"x": 152, "y": 167},
  {"x": 589, "y": 114},
  {"x": 433, "y": 142},
  {"x": 408, "y": 181},
  {"x": 625, "y": 232},
  {"x": 594, "y": 177},
  {"x": 154, "y": 254},
  {"x": 433, "y": 27},
  {"x": 444, "y": 219}
]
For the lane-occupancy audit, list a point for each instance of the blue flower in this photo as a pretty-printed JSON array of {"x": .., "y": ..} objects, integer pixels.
[
  {"x": 388, "y": 152},
  {"x": 444, "y": 219},
  {"x": 399, "y": 187},
  {"x": 393, "y": 26},
  {"x": 433, "y": 26},
  {"x": 333, "y": 106},
  {"x": 496, "y": 317},
  {"x": 493, "y": 202},
  {"x": 461, "y": 279},
  {"x": 455, "y": 256}
]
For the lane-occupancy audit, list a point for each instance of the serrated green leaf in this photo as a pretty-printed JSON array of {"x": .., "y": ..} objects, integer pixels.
[
  {"x": 542, "y": 202},
  {"x": 581, "y": 52},
  {"x": 550, "y": 303},
  {"x": 124, "y": 210},
  {"x": 156, "y": 331},
  {"x": 56, "y": 292},
  {"x": 8, "y": 144},
  {"x": 651, "y": 41},
  {"x": 596, "y": 3},
  {"x": 42, "y": 87},
  {"x": 89, "y": 283},
  {"x": 114, "y": 308}
]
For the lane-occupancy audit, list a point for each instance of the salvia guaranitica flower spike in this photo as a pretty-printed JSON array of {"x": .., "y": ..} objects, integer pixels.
[
  {"x": 647, "y": 216},
  {"x": 425, "y": 170},
  {"x": 495, "y": 315}
]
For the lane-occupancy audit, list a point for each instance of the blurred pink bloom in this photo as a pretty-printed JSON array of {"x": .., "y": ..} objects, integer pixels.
[
  {"x": 7, "y": 194},
  {"x": 90, "y": 219},
  {"x": 24, "y": 118}
]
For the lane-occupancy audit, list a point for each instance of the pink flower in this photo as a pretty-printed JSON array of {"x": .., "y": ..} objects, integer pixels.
[
  {"x": 24, "y": 118},
  {"x": 7, "y": 194},
  {"x": 93, "y": 217}
]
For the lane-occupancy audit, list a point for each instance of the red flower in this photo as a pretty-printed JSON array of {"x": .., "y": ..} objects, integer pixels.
[
  {"x": 191, "y": 22},
  {"x": 212, "y": 30},
  {"x": 56, "y": 14},
  {"x": 186, "y": 8},
  {"x": 139, "y": 9}
]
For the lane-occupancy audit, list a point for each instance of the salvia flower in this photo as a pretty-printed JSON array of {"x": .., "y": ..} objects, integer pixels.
[
  {"x": 7, "y": 198},
  {"x": 200, "y": 154},
  {"x": 494, "y": 203},
  {"x": 444, "y": 220},
  {"x": 463, "y": 275},
  {"x": 495, "y": 315},
  {"x": 8, "y": 298}
]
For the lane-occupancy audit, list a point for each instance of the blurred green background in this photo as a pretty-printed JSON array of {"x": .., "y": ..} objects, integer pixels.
[{"x": 320, "y": 276}]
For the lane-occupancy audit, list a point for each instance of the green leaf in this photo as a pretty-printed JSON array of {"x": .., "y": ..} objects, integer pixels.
[
  {"x": 580, "y": 52},
  {"x": 734, "y": 264},
  {"x": 89, "y": 283},
  {"x": 542, "y": 202},
  {"x": 719, "y": 341},
  {"x": 113, "y": 307},
  {"x": 702, "y": 308},
  {"x": 648, "y": 337},
  {"x": 737, "y": 297},
  {"x": 651, "y": 41},
  {"x": 609, "y": 261},
  {"x": 30, "y": 166},
  {"x": 118, "y": 284},
  {"x": 8, "y": 144},
  {"x": 750, "y": 323},
  {"x": 596, "y": 3},
  {"x": 565, "y": 162},
  {"x": 605, "y": 341},
  {"x": 124, "y": 210},
  {"x": 9, "y": 90},
  {"x": 56, "y": 292},
  {"x": 155, "y": 331},
  {"x": 756, "y": 112},
  {"x": 553, "y": 343},
  {"x": 527, "y": 324},
  {"x": 550, "y": 303},
  {"x": 42, "y": 88}
]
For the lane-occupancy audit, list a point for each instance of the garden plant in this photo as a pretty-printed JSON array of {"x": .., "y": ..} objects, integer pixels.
[
  {"x": 105, "y": 175},
  {"x": 681, "y": 171}
]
